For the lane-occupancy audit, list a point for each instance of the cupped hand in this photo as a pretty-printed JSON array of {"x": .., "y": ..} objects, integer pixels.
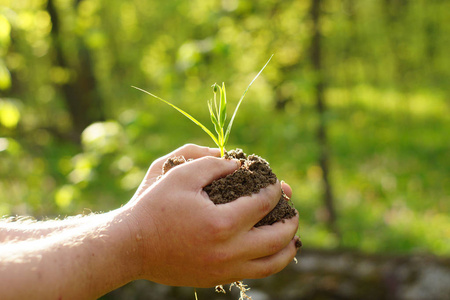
[{"x": 185, "y": 239}]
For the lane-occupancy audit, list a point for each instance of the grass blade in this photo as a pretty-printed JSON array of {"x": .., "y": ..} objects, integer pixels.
[
  {"x": 215, "y": 89},
  {"x": 223, "y": 106},
  {"x": 227, "y": 134},
  {"x": 184, "y": 113},
  {"x": 214, "y": 119}
]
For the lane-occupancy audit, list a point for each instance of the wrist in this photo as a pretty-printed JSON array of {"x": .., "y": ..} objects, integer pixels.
[{"x": 129, "y": 243}]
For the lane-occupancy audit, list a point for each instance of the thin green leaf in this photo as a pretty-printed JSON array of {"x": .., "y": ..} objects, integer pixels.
[
  {"x": 223, "y": 106},
  {"x": 227, "y": 134},
  {"x": 185, "y": 114},
  {"x": 215, "y": 90},
  {"x": 211, "y": 112},
  {"x": 214, "y": 120}
]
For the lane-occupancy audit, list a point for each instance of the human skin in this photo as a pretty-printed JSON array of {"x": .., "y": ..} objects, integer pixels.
[{"x": 169, "y": 232}]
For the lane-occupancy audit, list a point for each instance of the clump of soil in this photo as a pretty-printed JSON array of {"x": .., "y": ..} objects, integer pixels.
[{"x": 253, "y": 175}]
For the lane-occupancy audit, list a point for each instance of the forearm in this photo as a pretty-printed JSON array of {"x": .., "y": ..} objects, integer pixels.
[
  {"x": 23, "y": 229},
  {"x": 81, "y": 263}
]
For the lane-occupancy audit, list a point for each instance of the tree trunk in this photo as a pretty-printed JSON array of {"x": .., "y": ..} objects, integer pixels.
[
  {"x": 82, "y": 101},
  {"x": 316, "y": 59}
]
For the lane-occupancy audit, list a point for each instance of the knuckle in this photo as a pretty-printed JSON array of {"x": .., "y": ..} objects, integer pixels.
[
  {"x": 186, "y": 149},
  {"x": 269, "y": 197},
  {"x": 220, "y": 228},
  {"x": 188, "y": 146},
  {"x": 207, "y": 160},
  {"x": 217, "y": 258},
  {"x": 264, "y": 203},
  {"x": 212, "y": 162},
  {"x": 223, "y": 225},
  {"x": 275, "y": 190}
]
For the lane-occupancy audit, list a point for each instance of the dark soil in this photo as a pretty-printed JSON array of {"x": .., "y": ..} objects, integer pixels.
[{"x": 253, "y": 175}]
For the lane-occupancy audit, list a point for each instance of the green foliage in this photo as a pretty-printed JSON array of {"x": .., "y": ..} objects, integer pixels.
[{"x": 386, "y": 66}]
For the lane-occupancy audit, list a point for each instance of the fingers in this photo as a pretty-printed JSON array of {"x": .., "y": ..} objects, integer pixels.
[
  {"x": 266, "y": 266},
  {"x": 202, "y": 171},
  {"x": 247, "y": 211},
  {"x": 188, "y": 151},
  {"x": 194, "y": 151},
  {"x": 191, "y": 151},
  {"x": 270, "y": 239}
]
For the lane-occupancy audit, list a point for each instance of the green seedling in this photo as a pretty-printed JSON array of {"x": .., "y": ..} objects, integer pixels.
[{"x": 217, "y": 110}]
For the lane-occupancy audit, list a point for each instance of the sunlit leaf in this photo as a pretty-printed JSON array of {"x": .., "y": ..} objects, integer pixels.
[
  {"x": 184, "y": 113},
  {"x": 223, "y": 106},
  {"x": 227, "y": 134}
]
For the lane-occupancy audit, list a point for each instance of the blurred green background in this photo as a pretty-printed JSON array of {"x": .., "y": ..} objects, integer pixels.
[{"x": 358, "y": 89}]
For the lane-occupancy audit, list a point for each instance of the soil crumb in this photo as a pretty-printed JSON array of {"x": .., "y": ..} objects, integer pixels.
[{"x": 173, "y": 162}]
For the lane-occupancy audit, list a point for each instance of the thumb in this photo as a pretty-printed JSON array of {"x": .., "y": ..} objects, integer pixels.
[{"x": 201, "y": 172}]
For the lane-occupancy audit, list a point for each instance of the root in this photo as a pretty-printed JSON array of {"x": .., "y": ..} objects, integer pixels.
[
  {"x": 243, "y": 288},
  {"x": 220, "y": 289}
]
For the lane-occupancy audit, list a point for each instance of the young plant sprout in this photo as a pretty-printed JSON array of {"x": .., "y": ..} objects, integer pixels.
[{"x": 217, "y": 110}]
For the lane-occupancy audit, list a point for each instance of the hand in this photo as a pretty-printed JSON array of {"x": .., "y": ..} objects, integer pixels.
[
  {"x": 184, "y": 239},
  {"x": 188, "y": 151}
]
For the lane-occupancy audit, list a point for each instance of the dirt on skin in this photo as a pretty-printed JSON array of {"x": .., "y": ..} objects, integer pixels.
[{"x": 253, "y": 175}]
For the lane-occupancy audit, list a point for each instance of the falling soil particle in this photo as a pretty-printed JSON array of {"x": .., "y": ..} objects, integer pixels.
[{"x": 253, "y": 175}]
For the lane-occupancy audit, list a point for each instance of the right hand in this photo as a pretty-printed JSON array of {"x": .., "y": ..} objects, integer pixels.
[{"x": 184, "y": 239}]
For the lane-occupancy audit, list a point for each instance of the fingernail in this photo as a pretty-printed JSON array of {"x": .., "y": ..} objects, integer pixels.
[{"x": 283, "y": 194}]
